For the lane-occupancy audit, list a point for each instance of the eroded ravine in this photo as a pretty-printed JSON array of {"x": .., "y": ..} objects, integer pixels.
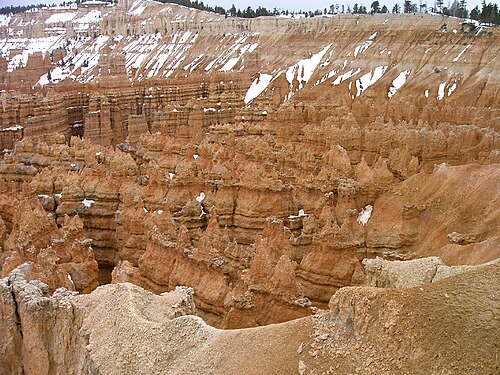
[{"x": 245, "y": 171}]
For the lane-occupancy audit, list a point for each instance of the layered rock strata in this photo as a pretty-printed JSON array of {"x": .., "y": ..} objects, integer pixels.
[
  {"x": 255, "y": 161},
  {"x": 254, "y": 222}
]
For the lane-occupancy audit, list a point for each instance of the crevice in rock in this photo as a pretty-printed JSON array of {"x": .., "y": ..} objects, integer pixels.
[{"x": 16, "y": 307}]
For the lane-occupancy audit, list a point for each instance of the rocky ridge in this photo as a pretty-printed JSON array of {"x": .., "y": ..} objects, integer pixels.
[{"x": 366, "y": 330}]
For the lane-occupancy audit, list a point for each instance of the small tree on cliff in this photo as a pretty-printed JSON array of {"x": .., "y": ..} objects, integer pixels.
[
  {"x": 49, "y": 76},
  {"x": 375, "y": 7},
  {"x": 409, "y": 7},
  {"x": 474, "y": 13},
  {"x": 439, "y": 5}
]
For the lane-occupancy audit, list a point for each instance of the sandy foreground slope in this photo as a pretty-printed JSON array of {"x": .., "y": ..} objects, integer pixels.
[{"x": 447, "y": 327}]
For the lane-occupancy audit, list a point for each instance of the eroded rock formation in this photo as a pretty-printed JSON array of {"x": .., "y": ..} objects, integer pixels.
[
  {"x": 246, "y": 171},
  {"x": 121, "y": 328}
]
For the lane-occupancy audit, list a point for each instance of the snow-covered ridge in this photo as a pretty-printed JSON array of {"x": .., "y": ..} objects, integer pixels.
[{"x": 189, "y": 42}]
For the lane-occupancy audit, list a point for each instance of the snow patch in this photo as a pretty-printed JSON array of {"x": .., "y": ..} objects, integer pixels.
[
  {"x": 200, "y": 197},
  {"x": 365, "y": 215},
  {"x": 4, "y": 20},
  {"x": 301, "y": 214},
  {"x": 137, "y": 8},
  {"x": 341, "y": 78},
  {"x": 12, "y": 128},
  {"x": 325, "y": 77},
  {"x": 398, "y": 82},
  {"x": 29, "y": 47},
  {"x": 369, "y": 79},
  {"x": 461, "y": 53},
  {"x": 88, "y": 202},
  {"x": 60, "y": 17},
  {"x": 452, "y": 88},
  {"x": 91, "y": 17},
  {"x": 363, "y": 47},
  {"x": 257, "y": 87},
  {"x": 441, "y": 91},
  {"x": 304, "y": 69}
]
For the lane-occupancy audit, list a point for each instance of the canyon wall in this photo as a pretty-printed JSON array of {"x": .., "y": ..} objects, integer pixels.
[
  {"x": 256, "y": 161},
  {"x": 170, "y": 178},
  {"x": 255, "y": 218},
  {"x": 151, "y": 59}
]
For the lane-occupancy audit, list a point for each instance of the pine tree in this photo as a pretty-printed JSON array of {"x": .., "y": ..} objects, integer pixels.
[
  {"x": 474, "y": 13},
  {"x": 407, "y": 6},
  {"x": 462, "y": 9},
  {"x": 232, "y": 11},
  {"x": 439, "y": 5},
  {"x": 375, "y": 7}
]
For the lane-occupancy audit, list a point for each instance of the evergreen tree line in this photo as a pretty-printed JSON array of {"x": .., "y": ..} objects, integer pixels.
[
  {"x": 13, "y": 9},
  {"x": 488, "y": 13}
]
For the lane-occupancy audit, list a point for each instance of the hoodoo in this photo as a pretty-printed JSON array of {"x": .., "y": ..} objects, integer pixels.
[{"x": 189, "y": 192}]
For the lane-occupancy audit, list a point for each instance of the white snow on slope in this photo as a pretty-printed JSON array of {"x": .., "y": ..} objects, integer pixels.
[
  {"x": 173, "y": 52},
  {"x": 6, "y": 45},
  {"x": 137, "y": 50},
  {"x": 229, "y": 65},
  {"x": 137, "y": 8},
  {"x": 301, "y": 214},
  {"x": 227, "y": 52},
  {"x": 441, "y": 91},
  {"x": 452, "y": 88},
  {"x": 369, "y": 79},
  {"x": 365, "y": 215},
  {"x": 341, "y": 78},
  {"x": 88, "y": 56},
  {"x": 87, "y": 202},
  {"x": 91, "y": 17},
  {"x": 325, "y": 77},
  {"x": 195, "y": 63},
  {"x": 12, "y": 128},
  {"x": 31, "y": 46},
  {"x": 200, "y": 197},
  {"x": 60, "y": 17},
  {"x": 258, "y": 86},
  {"x": 461, "y": 53},
  {"x": 364, "y": 46},
  {"x": 95, "y": 51},
  {"x": 4, "y": 20},
  {"x": 398, "y": 82},
  {"x": 304, "y": 69}
]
